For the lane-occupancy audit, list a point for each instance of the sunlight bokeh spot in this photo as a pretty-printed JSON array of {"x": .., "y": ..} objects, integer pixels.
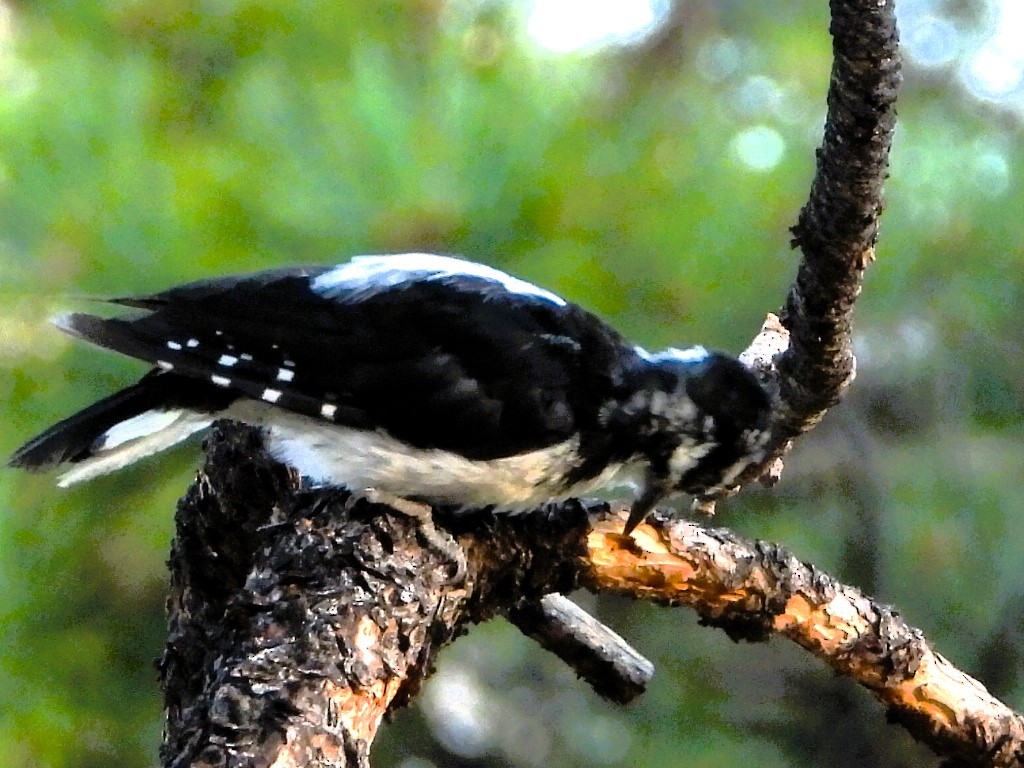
[
  {"x": 569, "y": 25},
  {"x": 760, "y": 148}
]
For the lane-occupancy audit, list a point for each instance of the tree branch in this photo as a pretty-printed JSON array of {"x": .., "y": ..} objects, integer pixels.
[
  {"x": 342, "y": 609},
  {"x": 754, "y": 589},
  {"x": 838, "y": 226},
  {"x": 299, "y": 618},
  {"x": 805, "y": 355},
  {"x": 595, "y": 652}
]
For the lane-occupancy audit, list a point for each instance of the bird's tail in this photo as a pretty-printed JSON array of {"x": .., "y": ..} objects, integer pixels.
[{"x": 159, "y": 411}]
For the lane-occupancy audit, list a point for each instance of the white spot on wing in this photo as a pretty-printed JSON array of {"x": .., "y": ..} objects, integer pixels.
[
  {"x": 227, "y": 360},
  {"x": 192, "y": 343},
  {"x": 173, "y": 345},
  {"x": 289, "y": 363},
  {"x": 221, "y": 381},
  {"x": 283, "y": 374},
  {"x": 327, "y": 410},
  {"x": 246, "y": 356},
  {"x": 165, "y": 365},
  {"x": 271, "y": 395},
  {"x": 366, "y": 275}
]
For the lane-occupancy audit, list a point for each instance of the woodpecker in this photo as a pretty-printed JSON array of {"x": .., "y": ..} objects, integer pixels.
[{"x": 420, "y": 377}]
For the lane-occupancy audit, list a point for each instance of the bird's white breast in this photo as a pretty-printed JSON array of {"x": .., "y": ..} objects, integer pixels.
[{"x": 362, "y": 460}]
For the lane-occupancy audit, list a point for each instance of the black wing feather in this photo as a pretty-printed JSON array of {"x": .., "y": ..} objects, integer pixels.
[
  {"x": 72, "y": 439},
  {"x": 439, "y": 363}
]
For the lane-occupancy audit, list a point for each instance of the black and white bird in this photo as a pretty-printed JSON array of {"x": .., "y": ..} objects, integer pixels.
[{"x": 421, "y": 377}]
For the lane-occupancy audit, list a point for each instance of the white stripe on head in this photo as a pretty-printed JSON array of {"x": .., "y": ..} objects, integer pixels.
[
  {"x": 685, "y": 457},
  {"x": 366, "y": 275}
]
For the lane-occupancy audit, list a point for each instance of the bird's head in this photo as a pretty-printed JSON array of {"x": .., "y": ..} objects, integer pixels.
[{"x": 709, "y": 418}]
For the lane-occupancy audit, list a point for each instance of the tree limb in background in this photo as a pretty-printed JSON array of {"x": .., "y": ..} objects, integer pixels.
[
  {"x": 805, "y": 355},
  {"x": 341, "y": 611},
  {"x": 838, "y": 226}
]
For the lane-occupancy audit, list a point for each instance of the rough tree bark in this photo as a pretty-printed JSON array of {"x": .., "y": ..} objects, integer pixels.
[{"x": 299, "y": 618}]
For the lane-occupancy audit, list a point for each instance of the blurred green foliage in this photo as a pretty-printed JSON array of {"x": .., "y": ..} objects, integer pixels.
[{"x": 145, "y": 143}]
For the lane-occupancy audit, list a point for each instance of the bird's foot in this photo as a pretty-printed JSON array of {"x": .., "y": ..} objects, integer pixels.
[{"x": 439, "y": 540}]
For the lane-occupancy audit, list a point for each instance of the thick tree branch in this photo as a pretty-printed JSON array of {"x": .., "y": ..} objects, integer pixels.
[
  {"x": 342, "y": 609},
  {"x": 299, "y": 618}
]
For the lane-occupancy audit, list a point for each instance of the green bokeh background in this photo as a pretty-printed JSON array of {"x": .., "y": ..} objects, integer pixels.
[{"x": 146, "y": 143}]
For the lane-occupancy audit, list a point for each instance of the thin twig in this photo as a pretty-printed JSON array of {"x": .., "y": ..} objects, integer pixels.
[{"x": 596, "y": 653}]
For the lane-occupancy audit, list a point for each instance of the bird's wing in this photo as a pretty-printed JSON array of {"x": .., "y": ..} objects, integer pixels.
[{"x": 439, "y": 355}]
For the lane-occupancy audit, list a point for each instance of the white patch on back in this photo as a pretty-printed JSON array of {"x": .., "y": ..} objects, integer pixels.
[
  {"x": 366, "y": 275},
  {"x": 227, "y": 360},
  {"x": 283, "y": 374},
  {"x": 362, "y": 460}
]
